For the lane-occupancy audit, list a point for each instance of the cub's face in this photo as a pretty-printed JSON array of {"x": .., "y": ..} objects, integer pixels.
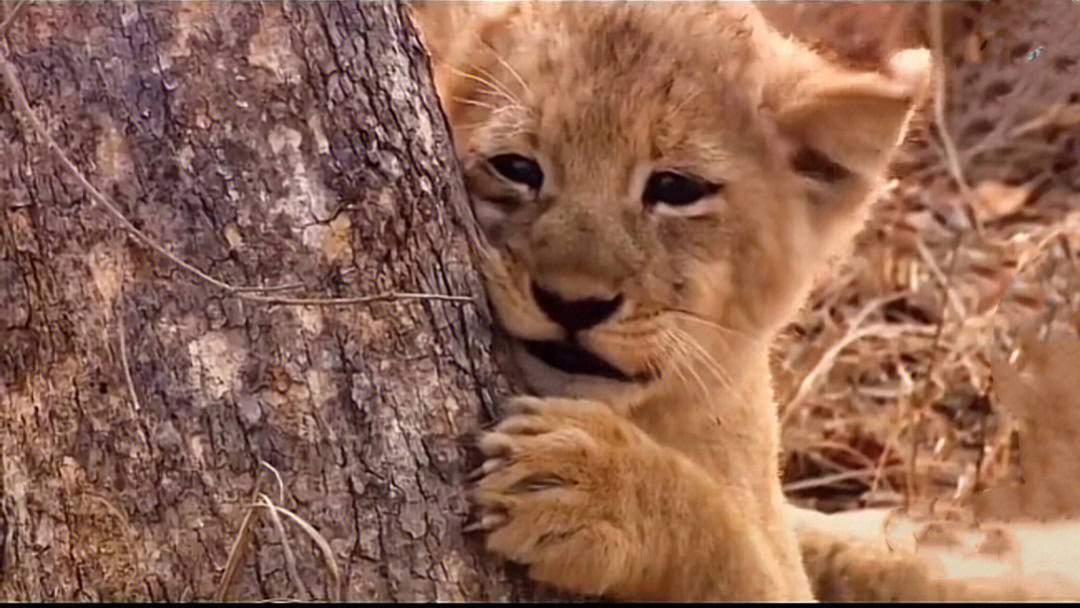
[{"x": 657, "y": 183}]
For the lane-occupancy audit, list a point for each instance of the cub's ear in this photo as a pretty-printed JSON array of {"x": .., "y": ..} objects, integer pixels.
[{"x": 844, "y": 122}]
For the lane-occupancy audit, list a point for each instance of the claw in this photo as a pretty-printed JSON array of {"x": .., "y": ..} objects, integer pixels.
[
  {"x": 521, "y": 404},
  {"x": 482, "y": 470},
  {"x": 495, "y": 444},
  {"x": 526, "y": 425},
  {"x": 489, "y": 521},
  {"x": 488, "y": 500}
]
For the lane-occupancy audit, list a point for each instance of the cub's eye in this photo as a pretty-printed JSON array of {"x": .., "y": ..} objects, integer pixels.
[
  {"x": 677, "y": 190},
  {"x": 517, "y": 168}
]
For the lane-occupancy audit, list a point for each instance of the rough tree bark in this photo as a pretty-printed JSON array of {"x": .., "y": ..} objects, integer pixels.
[{"x": 267, "y": 145}]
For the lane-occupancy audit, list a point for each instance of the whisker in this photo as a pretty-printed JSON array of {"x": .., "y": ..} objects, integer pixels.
[
  {"x": 475, "y": 102},
  {"x": 675, "y": 361},
  {"x": 509, "y": 129},
  {"x": 459, "y": 72},
  {"x": 502, "y": 87},
  {"x": 509, "y": 68},
  {"x": 684, "y": 341},
  {"x": 491, "y": 87},
  {"x": 711, "y": 364},
  {"x": 683, "y": 361},
  {"x": 715, "y": 325}
]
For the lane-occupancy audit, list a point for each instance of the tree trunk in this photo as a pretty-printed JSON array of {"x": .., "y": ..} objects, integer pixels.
[{"x": 266, "y": 145}]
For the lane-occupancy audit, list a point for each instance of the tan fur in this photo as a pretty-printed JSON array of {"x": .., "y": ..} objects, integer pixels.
[{"x": 666, "y": 486}]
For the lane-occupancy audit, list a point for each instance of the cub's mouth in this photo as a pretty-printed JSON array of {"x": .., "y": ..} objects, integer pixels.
[{"x": 573, "y": 359}]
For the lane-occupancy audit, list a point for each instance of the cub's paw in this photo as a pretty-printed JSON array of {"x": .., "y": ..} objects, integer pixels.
[{"x": 566, "y": 489}]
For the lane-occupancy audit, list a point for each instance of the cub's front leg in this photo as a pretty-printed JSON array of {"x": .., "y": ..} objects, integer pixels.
[{"x": 593, "y": 505}]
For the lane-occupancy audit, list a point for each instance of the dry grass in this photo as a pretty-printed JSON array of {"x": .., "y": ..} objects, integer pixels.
[
  {"x": 884, "y": 381},
  {"x": 245, "y": 534}
]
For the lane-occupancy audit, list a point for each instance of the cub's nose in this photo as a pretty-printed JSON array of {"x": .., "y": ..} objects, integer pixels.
[{"x": 574, "y": 314}]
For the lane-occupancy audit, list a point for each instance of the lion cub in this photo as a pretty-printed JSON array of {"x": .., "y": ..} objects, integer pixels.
[{"x": 657, "y": 184}]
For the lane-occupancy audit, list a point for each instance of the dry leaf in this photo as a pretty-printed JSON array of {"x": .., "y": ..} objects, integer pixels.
[{"x": 994, "y": 199}]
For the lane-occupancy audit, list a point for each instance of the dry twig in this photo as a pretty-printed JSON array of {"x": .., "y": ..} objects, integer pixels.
[
  {"x": 236, "y": 554},
  {"x": 324, "y": 547},
  {"x": 277, "y": 477},
  {"x": 286, "y": 547},
  {"x": 855, "y": 332},
  {"x": 22, "y": 107},
  {"x": 951, "y": 159}
]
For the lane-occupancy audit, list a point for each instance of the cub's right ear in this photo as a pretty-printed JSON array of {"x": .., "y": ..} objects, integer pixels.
[
  {"x": 843, "y": 121},
  {"x": 841, "y": 128}
]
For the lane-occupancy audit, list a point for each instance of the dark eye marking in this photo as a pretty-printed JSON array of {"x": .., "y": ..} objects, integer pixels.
[
  {"x": 518, "y": 168},
  {"x": 817, "y": 166},
  {"x": 676, "y": 190}
]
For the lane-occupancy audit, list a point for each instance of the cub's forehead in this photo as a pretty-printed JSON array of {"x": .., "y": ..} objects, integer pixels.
[
  {"x": 632, "y": 75},
  {"x": 622, "y": 36}
]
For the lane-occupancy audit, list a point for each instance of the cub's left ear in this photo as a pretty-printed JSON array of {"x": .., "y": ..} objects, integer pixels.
[{"x": 844, "y": 122}]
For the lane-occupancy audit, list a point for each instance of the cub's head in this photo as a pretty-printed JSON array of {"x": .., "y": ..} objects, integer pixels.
[{"x": 657, "y": 184}]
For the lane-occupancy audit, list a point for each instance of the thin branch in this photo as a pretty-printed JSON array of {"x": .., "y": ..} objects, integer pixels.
[
  {"x": 379, "y": 297},
  {"x": 275, "y": 288},
  {"x": 18, "y": 95},
  {"x": 828, "y": 480},
  {"x": 968, "y": 199},
  {"x": 943, "y": 281},
  {"x": 1024, "y": 260},
  {"x": 855, "y": 331},
  {"x": 951, "y": 158}
]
